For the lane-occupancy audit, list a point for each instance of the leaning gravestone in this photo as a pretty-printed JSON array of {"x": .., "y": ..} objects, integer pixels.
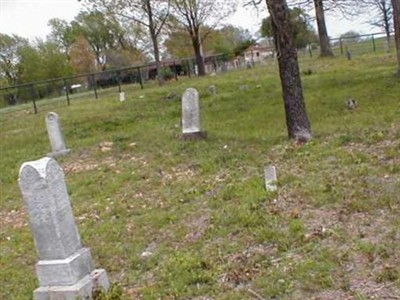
[
  {"x": 191, "y": 115},
  {"x": 65, "y": 270},
  {"x": 55, "y": 135}
]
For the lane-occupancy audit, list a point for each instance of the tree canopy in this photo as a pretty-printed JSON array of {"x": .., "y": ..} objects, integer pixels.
[{"x": 302, "y": 31}]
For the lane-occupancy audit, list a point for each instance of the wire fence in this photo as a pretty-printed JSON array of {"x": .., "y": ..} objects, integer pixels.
[
  {"x": 64, "y": 90},
  {"x": 68, "y": 89},
  {"x": 352, "y": 46}
]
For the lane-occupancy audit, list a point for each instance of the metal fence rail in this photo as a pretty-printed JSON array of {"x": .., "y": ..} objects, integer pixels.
[{"x": 83, "y": 85}]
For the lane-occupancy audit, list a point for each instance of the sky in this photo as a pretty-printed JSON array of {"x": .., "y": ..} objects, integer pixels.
[{"x": 28, "y": 18}]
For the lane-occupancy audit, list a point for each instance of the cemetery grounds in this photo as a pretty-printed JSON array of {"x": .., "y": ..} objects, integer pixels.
[{"x": 174, "y": 219}]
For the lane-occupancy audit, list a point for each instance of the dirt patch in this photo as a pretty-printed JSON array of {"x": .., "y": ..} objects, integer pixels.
[{"x": 15, "y": 219}]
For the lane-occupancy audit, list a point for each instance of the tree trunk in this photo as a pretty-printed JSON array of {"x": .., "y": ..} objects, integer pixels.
[
  {"x": 154, "y": 40},
  {"x": 386, "y": 21},
  {"x": 297, "y": 121},
  {"x": 197, "y": 52},
  {"x": 322, "y": 32},
  {"x": 396, "y": 25},
  {"x": 160, "y": 77}
]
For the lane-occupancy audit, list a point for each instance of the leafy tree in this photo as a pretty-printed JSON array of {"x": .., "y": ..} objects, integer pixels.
[
  {"x": 303, "y": 32},
  {"x": 10, "y": 47},
  {"x": 62, "y": 34},
  {"x": 351, "y": 36},
  {"x": 82, "y": 59},
  {"x": 95, "y": 28},
  {"x": 150, "y": 14},
  {"x": 194, "y": 15},
  {"x": 297, "y": 121}
]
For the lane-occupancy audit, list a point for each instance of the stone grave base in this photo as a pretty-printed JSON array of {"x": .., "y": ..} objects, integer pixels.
[
  {"x": 58, "y": 153},
  {"x": 83, "y": 289},
  {"x": 192, "y": 136}
]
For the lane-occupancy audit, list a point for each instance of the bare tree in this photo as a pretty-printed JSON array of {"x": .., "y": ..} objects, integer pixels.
[
  {"x": 193, "y": 15},
  {"x": 297, "y": 121},
  {"x": 383, "y": 17},
  {"x": 151, "y": 14},
  {"x": 396, "y": 23}
]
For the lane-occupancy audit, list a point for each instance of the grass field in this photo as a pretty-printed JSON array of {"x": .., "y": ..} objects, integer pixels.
[{"x": 199, "y": 210}]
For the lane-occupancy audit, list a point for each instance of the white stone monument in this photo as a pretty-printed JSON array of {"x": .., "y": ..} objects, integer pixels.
[
  {"x": 270, "y": 178},
  {"x": 191, "y": 115},
  {"x": 122, "y": 96},
  {"x": 55, "y": 135},
  {"x": 65, "y": 270}
]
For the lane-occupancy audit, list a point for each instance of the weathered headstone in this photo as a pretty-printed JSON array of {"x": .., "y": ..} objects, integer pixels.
[
  {"x": 65, "y": 270},
  {"x": 191, "y": 115},
  {"x": 122, "y": 96},
  {"x": 212, "y": 89},
  {"x": 55, "y": 135},
  {"x": 270, "y": 178},
  {"x": 244, "y": 87}
]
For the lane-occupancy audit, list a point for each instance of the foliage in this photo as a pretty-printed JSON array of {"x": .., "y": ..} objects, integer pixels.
[
  {"x": 10, "y": 47},
  {"x": 224, "y": 40},
  {"x": 304, "y": 34},
  {"x": 351, "y": 36}
]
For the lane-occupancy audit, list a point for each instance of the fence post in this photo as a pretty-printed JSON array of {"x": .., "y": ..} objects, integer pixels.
[
  {"x": 189, "y": 68},
  {"x": 176, "y": 74},
  {"x": 34, "y": 95},
  {"x": 341, "y": 46},
  {"x": 373, "y": 43},
  {"x": 95, "y": 86},
  {"x": 119, "y": 81},
  {"x": 66, "y": 90},
  {"x": 140, "y": 78}
]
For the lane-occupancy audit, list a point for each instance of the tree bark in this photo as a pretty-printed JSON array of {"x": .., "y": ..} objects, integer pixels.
[
  {"x": 154, "y": 39},
  {"x": 396, "y": 25},
  {"x": 322, "y": 32},
  {"x": 297, "y": 122}
]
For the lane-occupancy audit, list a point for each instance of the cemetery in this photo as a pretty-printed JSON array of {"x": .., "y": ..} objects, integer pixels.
[{"x": 192, "y": 190}]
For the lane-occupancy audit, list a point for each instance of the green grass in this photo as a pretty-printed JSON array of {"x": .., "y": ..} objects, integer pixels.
[{"x": 200, "y": 208}]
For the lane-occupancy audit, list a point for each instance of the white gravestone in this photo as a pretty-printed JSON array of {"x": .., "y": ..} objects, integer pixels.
[
  {"x": 270, "y": 179},
  {"x": 122, "y": 96},
  {"x": 191, "y": 115},
  {"x": 65, "y": 270},
  {"x": 55, "y": 135}
]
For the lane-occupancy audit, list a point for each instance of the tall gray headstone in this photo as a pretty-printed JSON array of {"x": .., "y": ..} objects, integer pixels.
[
  {"x": 270, "y": 178},
  {"x": 55, "y": 135},
  {"x": 65, "y": 270},
  {"x": 191, "y": 115}
]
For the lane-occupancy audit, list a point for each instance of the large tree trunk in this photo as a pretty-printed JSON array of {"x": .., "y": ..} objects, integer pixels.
[
  {"x": 396, "y": 25},
  {"x": 297, "y": 121},
  {"x": 154, "y": 40},
  {"x": 197, "y": 52},
  {"x": 322, "y": 32},
  {"x": 160, "y": 77},
  {"x": 386, "y": 21}
]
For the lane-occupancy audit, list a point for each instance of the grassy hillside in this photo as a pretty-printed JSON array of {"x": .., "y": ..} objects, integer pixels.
[{"x": 173, "y": 219}]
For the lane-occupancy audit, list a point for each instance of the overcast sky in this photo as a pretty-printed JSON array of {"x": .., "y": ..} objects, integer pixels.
[{"x": 28, "y": 18}]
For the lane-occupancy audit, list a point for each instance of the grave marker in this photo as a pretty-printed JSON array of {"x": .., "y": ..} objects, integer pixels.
[
  {"x": 65, "y": 270},
  {"x": 191, "y": 115},
  {"x": 55, "y": 135}
]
